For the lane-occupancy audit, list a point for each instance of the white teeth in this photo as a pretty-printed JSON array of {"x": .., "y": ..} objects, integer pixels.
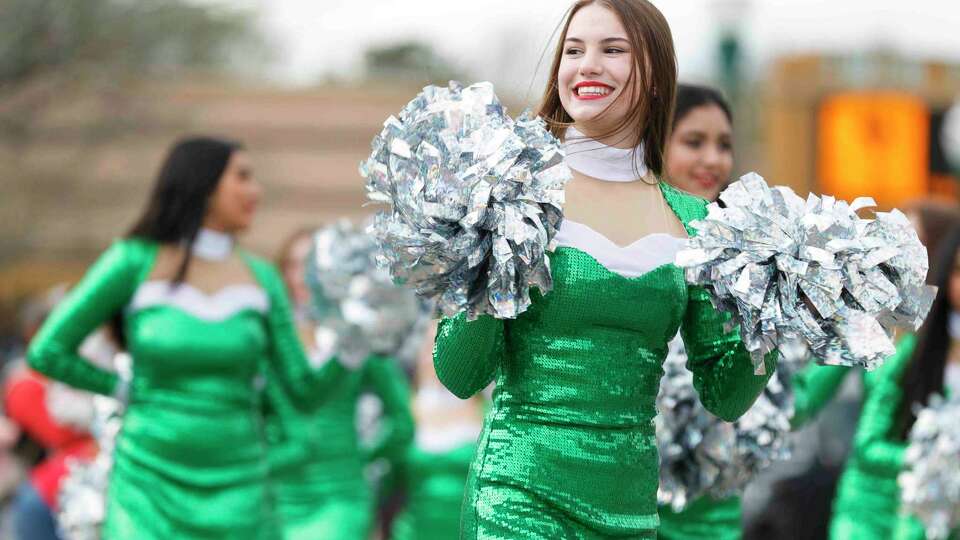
[{"x": 593, "y": 91}]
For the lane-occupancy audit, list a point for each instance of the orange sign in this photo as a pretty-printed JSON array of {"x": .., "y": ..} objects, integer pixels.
[{"x": 874, "y": 144}]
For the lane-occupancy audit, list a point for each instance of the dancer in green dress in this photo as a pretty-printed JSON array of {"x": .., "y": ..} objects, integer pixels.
[
  {"x": 434, "y": 471},
  {"x": 868, "y": 498},
  {"x": 568, "y": 447},
  {"x": 815, "y": 386},
  {"x": 316, "y": 460},
  {"x": 699, "y": 160},
  {"x": 200, "y": 319}
]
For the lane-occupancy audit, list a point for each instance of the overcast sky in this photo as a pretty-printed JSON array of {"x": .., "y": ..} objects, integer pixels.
[{"x": 504, "y": 39}]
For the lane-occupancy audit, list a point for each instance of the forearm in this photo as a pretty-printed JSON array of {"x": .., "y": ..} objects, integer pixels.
[
  {"x": 467, "y": 353},
  {"x": 101, "y": 295},
  {"x": 724, "y": 376}
]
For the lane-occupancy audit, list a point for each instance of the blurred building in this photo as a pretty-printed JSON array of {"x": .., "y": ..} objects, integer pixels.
[
  {"x": 81, "y": 180},
  {"x": 852, "y": 126}
]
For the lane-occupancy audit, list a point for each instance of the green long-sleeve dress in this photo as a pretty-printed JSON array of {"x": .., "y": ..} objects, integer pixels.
[
  {"x": 190, "y": 462},
  {"x": 868, "y": 498},
  {"x": 316, "y": 461},
  {"x": 568, "y": 449}
]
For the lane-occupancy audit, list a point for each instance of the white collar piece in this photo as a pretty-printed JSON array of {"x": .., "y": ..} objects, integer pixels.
[
  {"x": 215, "y": 307},
  {"x": 640, "y": 257},
  {"x": 597, "y": 160},
  {"x": 212, "y": 245}
]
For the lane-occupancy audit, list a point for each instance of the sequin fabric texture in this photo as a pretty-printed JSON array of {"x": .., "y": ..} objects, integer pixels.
[{"x": 568, "y": 448}]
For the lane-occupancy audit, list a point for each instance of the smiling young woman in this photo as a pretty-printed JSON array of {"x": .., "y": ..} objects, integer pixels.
[{"x": 568, "y": 447}]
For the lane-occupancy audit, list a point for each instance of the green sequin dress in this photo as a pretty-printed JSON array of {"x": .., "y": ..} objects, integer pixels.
[
  {"x": 868, "y": 498},
  {"x": 316, "y": 461},
  {"x": 568, "y": 448},
  {"x": 190, "y": 461}
]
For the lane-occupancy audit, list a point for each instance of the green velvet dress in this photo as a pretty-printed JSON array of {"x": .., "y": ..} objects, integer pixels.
[
  {"x": 190, "y": 461},
  {"x": 568, "y": 449},
  {"x": 868, "y": 497},
  {"x": 434, "y": 484},
  {"x": 316, "y": 461}
]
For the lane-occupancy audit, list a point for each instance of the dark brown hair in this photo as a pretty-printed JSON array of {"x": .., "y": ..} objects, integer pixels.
[
  {"x": 177, "y": 206},
  {"x": 692, "y": 96},
  {"x": 923, "y": 376},
  {"x": 652, "y": 45}
]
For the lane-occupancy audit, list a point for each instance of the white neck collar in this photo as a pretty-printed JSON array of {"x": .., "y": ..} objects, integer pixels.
[
  {"x": 212, "y": 245},
  {"x": 953, "y": 325},
  {"x": 597, "y": 160}
]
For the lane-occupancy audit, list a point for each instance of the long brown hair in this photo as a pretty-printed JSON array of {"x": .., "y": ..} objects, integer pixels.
[{"x": 652, "y": 45}]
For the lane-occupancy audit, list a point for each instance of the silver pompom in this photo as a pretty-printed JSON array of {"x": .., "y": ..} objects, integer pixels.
[
  {"x": 930, "y": 484},
  {"x": 356, "y": 306},
  {"x": 702, "y": 455},
  {"x": 474, "y": 200},
  {"x": 83, "y": 491},
  {"x": 789, "y": 268}
]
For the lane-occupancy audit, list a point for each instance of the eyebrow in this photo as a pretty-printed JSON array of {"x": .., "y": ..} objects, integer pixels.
[{"x": 607, "y": 40}]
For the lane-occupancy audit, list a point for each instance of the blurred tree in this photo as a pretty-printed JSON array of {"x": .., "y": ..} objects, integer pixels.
[
  {"x": 47, "y": 46},
  {"x": 409, "y": 60},
  {"x": 76, "y": 76}
]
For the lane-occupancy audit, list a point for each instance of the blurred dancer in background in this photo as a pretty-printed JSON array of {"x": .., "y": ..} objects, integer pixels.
[
  {"x": 699, "y": 154},
  {"x": 699, "y": 160},
  {"x": 316, "y": 459},
  {"x": 199, "y": 317},
  {"x": 434, "y": 470}
]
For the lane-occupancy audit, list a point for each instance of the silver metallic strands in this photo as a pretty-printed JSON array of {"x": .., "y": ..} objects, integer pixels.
[
  {"x": 355, "y": 304},
  {"x": 701, "y": 454},
  {"x": 812, "y": 269},
  {"x": 474, "y": 200},
  {"x": 83, "y": 492},
  {"x": 930, "y": 485}
]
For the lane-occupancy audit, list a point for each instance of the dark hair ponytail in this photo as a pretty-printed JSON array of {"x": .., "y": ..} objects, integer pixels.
[
  {"x": 924, "y": 376},
  {"x": 178, "y": 204}
]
